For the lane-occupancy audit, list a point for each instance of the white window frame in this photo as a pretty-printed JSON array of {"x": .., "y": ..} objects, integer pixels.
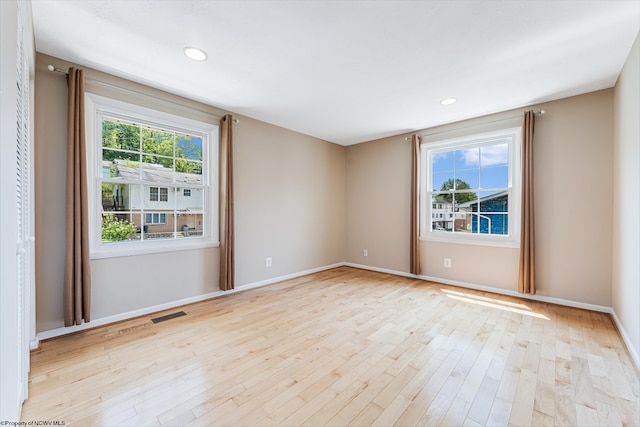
[
  {"x": 428, "y": 149},
  {"x": 96, "y": 106}
]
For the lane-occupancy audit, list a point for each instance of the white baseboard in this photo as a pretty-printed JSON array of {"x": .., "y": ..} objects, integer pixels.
[
  {"x": 35, "y": 344},
  {"x": 542, "y": 298},
  {"x": 625, "y": 337},
  {"x": 559, "y": 301},
  {"x": 286, "y": 277},
  {"x": 161, "y": 307},
  {"x": 381, "y": 270},
  {"x": 52, "y": 333}
]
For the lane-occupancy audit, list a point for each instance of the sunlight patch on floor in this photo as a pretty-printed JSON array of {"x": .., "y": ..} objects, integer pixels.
[{"x": 493, "y": 303}]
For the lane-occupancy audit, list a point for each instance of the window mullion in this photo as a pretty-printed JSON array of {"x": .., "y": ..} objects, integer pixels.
[{"x": 141, "y": 145}]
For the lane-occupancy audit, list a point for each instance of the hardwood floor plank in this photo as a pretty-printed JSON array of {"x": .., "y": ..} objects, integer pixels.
[
  {"x": 523, "y": 400},
  {"x": 352, "y": 411},
  {"x": 545, "y": 399},
  {"x": 392, "y": 389},
  {"x": 438, "y": 408},
  {"x": 392, "y": 412},
  {"x": 607, "y": 416},
  {"x": 586, "y": 416},
  {"x": 481, "y": 406},
  {"x": 500, "y": 412},
  {"x": 456, "y": 414},
  {"x": 540, "y": 419},
  {"x": 565, "y": 408},
  {"x": 367, "y": 416}
]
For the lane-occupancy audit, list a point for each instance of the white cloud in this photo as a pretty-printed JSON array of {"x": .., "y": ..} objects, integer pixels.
[
  {"x": 470, "y": 157},
  {"x": 494, "y": 155}
]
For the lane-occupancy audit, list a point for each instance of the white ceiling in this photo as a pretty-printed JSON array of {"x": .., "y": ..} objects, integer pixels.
[{"x": 349, "y": 71}]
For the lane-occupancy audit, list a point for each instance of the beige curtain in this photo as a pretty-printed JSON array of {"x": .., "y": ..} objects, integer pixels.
[
  {"x": 526, "y": 275},
  {"x": 415, "y": 205},
  {"x": 77, "y": 267},
  {"x": 227, "y": 250}
]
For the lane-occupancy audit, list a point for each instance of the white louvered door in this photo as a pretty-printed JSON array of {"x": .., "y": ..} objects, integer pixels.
[{"x": 23, "y": 205}]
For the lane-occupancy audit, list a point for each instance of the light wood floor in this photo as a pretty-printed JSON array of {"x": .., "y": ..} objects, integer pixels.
[{"x": 343, "y": 347}]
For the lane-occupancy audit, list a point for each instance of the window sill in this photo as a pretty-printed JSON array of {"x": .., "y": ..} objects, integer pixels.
[
  {"x": 134, "y": 248},
  {"x": 477, "y": 242}
]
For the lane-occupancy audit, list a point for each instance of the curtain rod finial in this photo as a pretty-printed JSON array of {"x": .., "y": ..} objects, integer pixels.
[{"x": 56, "y": 69}]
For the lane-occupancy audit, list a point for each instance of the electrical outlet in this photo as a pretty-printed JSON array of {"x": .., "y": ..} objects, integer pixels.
[
  {"x": 447, "y": 262},
  {"x": 365, "y": 252},
  {"x": 269, "y": 261}
]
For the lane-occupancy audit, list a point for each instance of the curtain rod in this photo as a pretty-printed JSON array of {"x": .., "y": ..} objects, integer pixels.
[
  {"x": 537, "y": 113},
  {"x": 66, "y": 73}
]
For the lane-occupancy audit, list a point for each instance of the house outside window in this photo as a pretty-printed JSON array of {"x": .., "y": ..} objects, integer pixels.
[
  {"x": 155, "y": 178},
  {"x": 470, "y": 188}
]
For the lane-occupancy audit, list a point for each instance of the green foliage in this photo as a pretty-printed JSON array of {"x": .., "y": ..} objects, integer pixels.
[
  {"x": 158, "y": 146},
  {"x": 107, "y": 191},
  {"x": 457, "y": 184},
  {"x": 188, "y": 167},
  {"x": 114, "y": 230}
]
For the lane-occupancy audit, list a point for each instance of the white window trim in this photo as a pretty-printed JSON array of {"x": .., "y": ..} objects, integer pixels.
[
  {"x": 96, "y": 105},
  {"x": 515, "y": 178}
]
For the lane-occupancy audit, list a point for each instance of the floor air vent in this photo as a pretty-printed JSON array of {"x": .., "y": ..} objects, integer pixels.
[{"x": 168, "y": 317}]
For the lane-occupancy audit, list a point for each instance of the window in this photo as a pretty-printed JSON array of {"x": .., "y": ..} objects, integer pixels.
[
  {"x": 142, "y": 163},
  {"x": 186, "y": 192},
  {"x": 158, "y": 194},
  {"x": 470, "y": 188},
  {"x": 156, "y": 218}
]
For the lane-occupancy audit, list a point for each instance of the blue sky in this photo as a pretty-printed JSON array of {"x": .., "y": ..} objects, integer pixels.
[
  {"x": 485, "y": 167},
  {"x": 188, "y": 147}
]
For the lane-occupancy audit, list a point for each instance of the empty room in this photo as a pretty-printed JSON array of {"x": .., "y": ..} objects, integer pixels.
[{"x": 320, "y": 213}]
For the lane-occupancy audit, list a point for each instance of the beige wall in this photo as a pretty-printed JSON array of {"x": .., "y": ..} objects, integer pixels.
[
  {"x": 290, "y": 205},
  {"x": 626, "y": 200},
  {"x": 378, "y": 191},
  {"x": 573, "y": 182}
]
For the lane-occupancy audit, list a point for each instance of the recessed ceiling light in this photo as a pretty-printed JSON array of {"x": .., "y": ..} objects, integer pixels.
[
  {"x": 448, "y": 101},
  {"x": 195, "y": 53}
]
